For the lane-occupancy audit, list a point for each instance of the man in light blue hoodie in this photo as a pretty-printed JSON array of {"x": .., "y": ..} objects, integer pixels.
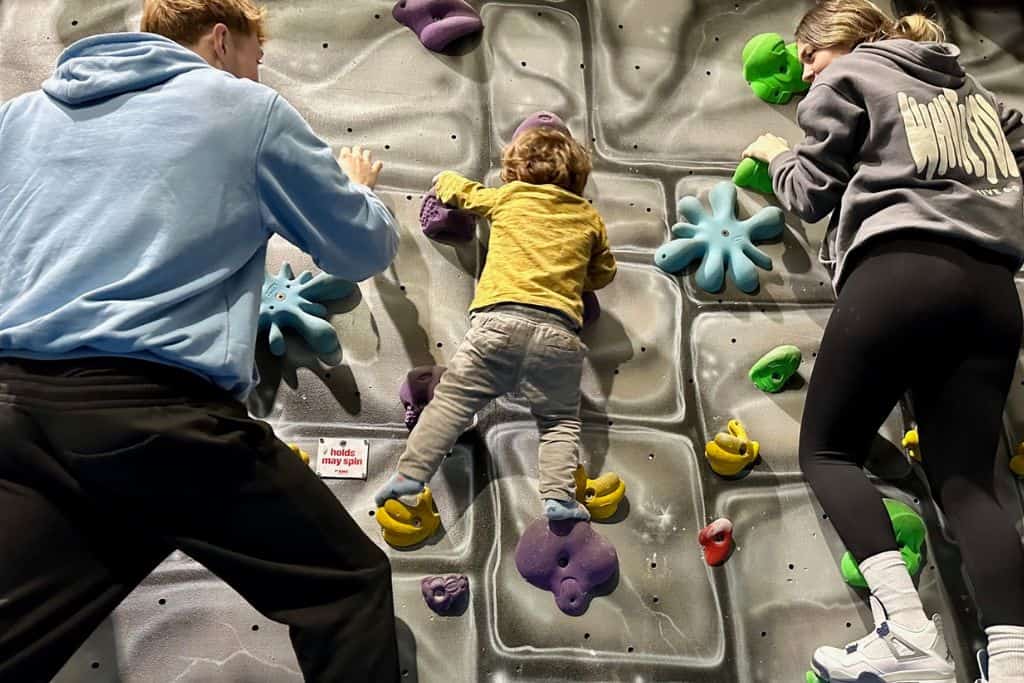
[{"x": 138, "y": 190}]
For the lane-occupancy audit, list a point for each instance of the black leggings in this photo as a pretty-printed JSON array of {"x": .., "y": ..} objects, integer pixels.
[{"x": 941, "y": 320}]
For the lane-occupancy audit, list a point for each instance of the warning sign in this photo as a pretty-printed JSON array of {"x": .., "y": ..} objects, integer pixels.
[{"x": 343, "y": 458}]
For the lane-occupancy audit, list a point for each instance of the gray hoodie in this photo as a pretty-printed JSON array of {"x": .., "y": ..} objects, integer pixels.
[{"x": 900, "y": 137}]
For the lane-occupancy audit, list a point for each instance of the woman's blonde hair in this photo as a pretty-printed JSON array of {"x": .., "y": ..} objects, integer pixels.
[
  {"x": 833, "y": 23},
  {"x": 545, "y": 156},
  {"x": 185, "y": 21}
]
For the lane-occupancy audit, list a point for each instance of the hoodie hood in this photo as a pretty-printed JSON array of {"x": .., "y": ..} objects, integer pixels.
[
  {"x": 936, "y": 64},
  {"x": 103, "y": 66}
]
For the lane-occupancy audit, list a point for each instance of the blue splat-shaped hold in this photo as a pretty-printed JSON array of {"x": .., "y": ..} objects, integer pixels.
[
  {"x": 721, "y": 240},
  {"x": 294, "y": 302}
]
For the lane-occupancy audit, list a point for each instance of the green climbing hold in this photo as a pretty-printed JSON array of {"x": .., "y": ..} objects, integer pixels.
[
  {"x": 773, "y": 69},
  {"x": 910, "y": 532},
  {"x": 753, "y": 174},
  {"x": 775, "y": 368},
  {"x": 812, "y": 677}
]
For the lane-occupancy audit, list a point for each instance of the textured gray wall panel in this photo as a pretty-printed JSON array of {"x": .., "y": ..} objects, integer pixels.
[{"x": 655, "y": 87}]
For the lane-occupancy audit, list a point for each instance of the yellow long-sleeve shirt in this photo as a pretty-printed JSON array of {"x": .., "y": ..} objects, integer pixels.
[{"x": 547, "y": 244}]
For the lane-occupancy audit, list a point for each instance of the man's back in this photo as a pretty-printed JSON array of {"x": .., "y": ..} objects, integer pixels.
[{"x": 136, "y": 198}]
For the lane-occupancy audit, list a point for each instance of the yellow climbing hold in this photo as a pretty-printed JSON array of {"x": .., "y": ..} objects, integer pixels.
[
  {"x": 602, "y": 495},
  {"x": 1017, "y": 461},
  {"x": 730, "y": 453},
  {"x": 303, "y": 455},
  {"x": 405, "y": 526},
  {"x": 912, "y": 443}
]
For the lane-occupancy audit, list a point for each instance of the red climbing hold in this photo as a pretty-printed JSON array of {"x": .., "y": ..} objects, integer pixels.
[{"x": 716, "y": 539}]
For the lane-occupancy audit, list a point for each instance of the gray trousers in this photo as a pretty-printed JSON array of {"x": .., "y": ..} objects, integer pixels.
[{"x": 508, "y": 348}]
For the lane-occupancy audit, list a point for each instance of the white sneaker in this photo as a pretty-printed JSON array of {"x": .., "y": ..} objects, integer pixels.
[
  {"x": 889, "y": 654},
  {"x": 982, "y": 666}
]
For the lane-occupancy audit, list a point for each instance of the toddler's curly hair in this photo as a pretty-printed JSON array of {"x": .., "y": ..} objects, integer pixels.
[{"x": 543, "y": 156}]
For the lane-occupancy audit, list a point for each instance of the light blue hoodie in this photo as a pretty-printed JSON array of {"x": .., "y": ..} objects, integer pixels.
[{"x": 138, "y": 190}]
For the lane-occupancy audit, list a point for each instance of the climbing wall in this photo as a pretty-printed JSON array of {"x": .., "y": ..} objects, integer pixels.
[{"x": 655, "y": 87}]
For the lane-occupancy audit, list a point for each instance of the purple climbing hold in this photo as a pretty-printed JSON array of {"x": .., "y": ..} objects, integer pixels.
[
  {"x": 418, "y": 390},
  {"x": 541, "y": 119},
  {"x": 569, "y": 559},
  {"x": 438, "y": 23},
  {"x": 440, "y": 222},
  {"x": 446, "y": 594},
  {"x": 591, "y": 309}
]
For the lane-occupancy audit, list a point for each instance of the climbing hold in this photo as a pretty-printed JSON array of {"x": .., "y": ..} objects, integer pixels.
[
  {"x": 721, "y": 240},
  {"x": 418, "y": 390},
  {"x": 602, "y": 495},
  {"x": 716, "y": 540},
  {"x": 912, "y": 443},
  {"x": 446, "y": 594},
  {"x": 569, "y": 559},
  {"x": 910, "y": 532},
  {"x": 438, "y": 23},
  {"x": 591, "y": 309},
  {"x": 773, "y": 69},
  {"x": 541, "y": 119},
  {"x": 753, "y": 174},
  {"x": 303, "y": 455},
  {"x": 774, "y": 369},
  {"x": 1017, "y": 461},
  {"x": 729, "y": 454},
  {"x": 442, "y": 222},
  {"x": 294, "y": 302},
  {"x": 406, "y": 525},
  {"x": 811, "y": 677}
]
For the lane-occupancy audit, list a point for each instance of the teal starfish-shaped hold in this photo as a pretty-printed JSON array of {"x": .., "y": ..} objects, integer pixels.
[
  {"x": 294, "y": 302},
  {"x": 721, "y": 240}
]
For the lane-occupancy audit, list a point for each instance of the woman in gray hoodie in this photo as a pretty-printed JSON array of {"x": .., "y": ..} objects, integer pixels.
[{"x": 920, "y": 167}]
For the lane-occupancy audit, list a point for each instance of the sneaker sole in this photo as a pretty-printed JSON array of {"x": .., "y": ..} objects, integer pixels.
[{"x": 902, "y": 677}]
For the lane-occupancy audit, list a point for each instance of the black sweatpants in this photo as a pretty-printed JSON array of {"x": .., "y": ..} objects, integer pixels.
[
  {"x": 941, "y": 320},
  {"x": 108, "y": 465}
]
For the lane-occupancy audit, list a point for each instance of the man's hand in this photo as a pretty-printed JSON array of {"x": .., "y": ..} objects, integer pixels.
[
  {"x": 766, "y": 148},
  {"x": 359, "y": 166}
]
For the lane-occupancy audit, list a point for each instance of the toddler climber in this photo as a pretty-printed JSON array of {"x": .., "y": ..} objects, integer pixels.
[{"x": 548, "y": 245}]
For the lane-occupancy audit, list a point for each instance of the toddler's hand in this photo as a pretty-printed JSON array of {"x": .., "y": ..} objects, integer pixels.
[
  {"x": 397, "y": 486},
  {"x": 359, "y": 166}
]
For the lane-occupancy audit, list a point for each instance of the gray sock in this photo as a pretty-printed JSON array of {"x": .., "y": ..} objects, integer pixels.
[{"x": 565, "y": 509}]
